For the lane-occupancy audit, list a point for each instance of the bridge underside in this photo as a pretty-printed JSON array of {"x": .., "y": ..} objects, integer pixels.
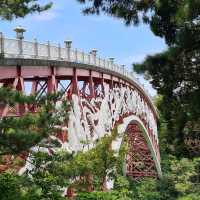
[{"x": 139, "y": 161}]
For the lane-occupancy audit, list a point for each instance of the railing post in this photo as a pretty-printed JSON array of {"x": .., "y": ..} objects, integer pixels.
[
  {"x": 35, "y": 48},
  {"x": 1, "y": 44},
  {"x": 20, "y": 36},
  {"x": 76, "y": 55},
  {"x": 89, "y": 58},
  {"x": 83, "y": 57},
  {"x": 104, "y": 63},
  {"x": 48, "y": 49},
  {"x": 59, "y": 51},
  {"x": 20, "y": 46},
  {"x": 94, "y": 54},
  {"x": 111, "y": 62},
  {"x": 68, "y": 45},
  {"x": 99, "y": 62}
]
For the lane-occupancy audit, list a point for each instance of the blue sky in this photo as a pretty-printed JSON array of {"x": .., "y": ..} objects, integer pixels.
[{"x": 110, "y": 36}]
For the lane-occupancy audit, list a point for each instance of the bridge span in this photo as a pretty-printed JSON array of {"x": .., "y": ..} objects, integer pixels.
[{"x": 103, "y": 95}]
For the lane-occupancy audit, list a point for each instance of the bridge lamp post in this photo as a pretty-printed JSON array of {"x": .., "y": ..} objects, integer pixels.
[
  {"x": 111, "y": 62},
  {"x": 20, "y": 32},
  {"x": 68, "y": 45},
  {"x": 94, "y": 53},
  {"x": 1, "y": 44},
  {"x": 20, "y": 36},
  {"x": 35, "y": 47}
]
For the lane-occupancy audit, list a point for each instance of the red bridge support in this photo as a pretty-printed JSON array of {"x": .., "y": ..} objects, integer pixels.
[{"x": 139, "y": 161}]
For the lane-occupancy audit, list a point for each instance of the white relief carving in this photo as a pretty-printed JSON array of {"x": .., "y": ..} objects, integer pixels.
[{"x": 92, "y": 118}]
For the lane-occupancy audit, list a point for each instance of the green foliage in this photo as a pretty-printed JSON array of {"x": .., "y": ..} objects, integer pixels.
[
  {"x": 175, "y": 75},
  {"x": 98, "y": 163},
  {"x": 129, "y": 11},
  {"x": 179, "y": 181},
  {"x": 10, "y": 184},
  {"x": 183, "y": 174},
  {"x": 18, "y": 134},
  {"x": 175, "y": 72},
  {"x": 10, "y": 9},
  {"x": 111, "y": 195},
  {"x": 120, "y": 192},
  {"x": 24, "y": 188},
  {"x": 54, "y": 170},
  {"x": 147, "y": 190},
  {"x": 167, "y": 18}
]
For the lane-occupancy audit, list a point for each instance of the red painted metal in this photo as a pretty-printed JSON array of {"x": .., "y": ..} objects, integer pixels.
[{"x": 139, "y": 162}]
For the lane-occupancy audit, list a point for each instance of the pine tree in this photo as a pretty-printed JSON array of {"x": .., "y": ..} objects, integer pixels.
[{"x": 20, "y": 8}]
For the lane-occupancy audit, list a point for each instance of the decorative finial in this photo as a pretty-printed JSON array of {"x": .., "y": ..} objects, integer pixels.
[
  {"x": 94, "y": 52},
  {"x": 68, "y": 43},
  {"x": 20, "y": 32},
  {"x": 112, "y": 59}
]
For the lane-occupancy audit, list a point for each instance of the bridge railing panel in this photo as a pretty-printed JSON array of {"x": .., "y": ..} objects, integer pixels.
[
  {"x": 54, "y": 52},
  {"x": 11, "y": 47},
  {"x": 79, "y": 57},
  {"x": 92, "y": 59},
  {"x": 97, "y": 62},
  {"x": 116, "y": 68},
  {"x": 64, "y": 54},
  {"x": 73, "y": 55},
  {"x": 42, "y": 50},
  {"x": 28, "y": 49},
  {"x": 102, "y": 63},
  {"x": 107, "y": 64},
  {"x": 113, "y": 66},
  {"x": 86, "y": 58},
  {"x": 119, "y": 69}
]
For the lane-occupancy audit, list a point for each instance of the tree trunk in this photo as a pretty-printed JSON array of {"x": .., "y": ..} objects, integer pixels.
[
  {"x": 104, "y": 184},
  {"x": 89, "y": 179}
]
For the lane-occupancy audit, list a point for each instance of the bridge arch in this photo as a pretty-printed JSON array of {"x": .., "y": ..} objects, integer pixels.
[{"x": 138, "y": 135}]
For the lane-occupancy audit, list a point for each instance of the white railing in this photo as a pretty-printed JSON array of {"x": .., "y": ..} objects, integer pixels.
[{"x": 17, "y": 48}]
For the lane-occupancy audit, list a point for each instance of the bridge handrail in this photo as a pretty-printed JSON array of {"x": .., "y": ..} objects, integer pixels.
[{"x": 18, "y": 48}]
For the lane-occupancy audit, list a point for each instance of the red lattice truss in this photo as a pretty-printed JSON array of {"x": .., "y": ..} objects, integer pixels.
[{"x": 139, "y": 162}]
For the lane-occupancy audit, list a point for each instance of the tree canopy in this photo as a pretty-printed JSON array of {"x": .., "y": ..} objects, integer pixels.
[
  {"x": 167, "y": 18},
  {"x": 10, "y": 9}
]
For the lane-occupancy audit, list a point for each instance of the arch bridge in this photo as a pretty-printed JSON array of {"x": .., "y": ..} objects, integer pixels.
[{"x": 104, "y": 95}]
